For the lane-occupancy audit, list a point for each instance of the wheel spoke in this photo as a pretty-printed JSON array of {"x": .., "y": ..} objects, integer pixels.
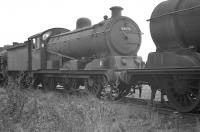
[
  {"x": 94, "y": 89},
  {"x": 195, "y": 94},
  {"x": 190, "y": 99},
  {"x": 94, "y": 85},
  {"x": 185, "y": 101},
  {"x": 178, "y": 98}
]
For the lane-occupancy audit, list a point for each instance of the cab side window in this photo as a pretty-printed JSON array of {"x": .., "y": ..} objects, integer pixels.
[{"x": 36, "y": 43}]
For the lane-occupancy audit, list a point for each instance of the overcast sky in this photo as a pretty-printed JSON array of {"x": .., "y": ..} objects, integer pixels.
[{"x": 23, "y": 18}]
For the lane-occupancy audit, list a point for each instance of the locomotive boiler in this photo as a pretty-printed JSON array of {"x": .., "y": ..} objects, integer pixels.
[
  {"x": 175, "y": 31},
  {"x": 100, "y": 44},
  {"x": 179, "y": 22},
  {"x": 116, "y": 36},
  {"x": 111, "y": 44}
]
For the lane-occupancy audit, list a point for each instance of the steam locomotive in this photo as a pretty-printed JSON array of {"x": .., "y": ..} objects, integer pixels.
[
  {"x": 175, "y": 29},
  {"x": 94, "y": 56},
  {"x": 103, "y": 57}
]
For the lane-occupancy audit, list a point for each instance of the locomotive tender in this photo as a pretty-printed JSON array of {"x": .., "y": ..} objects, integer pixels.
[{"x": 103, "y": 57}]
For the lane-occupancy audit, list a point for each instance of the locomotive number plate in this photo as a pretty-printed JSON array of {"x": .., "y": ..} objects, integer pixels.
[{"x": 125, "y": 29}]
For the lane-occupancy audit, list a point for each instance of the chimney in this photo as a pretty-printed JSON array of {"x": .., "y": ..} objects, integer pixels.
[{"x": 116, "y": 11}]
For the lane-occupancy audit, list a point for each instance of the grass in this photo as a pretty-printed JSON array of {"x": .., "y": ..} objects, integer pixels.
[{"x": 32, "y": 110}]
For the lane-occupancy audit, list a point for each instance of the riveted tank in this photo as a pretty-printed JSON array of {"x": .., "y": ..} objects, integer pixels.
[
  {"x": 175, "y": 24},
  {"x": 118, "y": 35}
]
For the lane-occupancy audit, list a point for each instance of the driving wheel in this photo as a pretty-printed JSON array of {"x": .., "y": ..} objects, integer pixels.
[
  {"x": 95, "y": 86},
  {"x": 183, "y": 94}
]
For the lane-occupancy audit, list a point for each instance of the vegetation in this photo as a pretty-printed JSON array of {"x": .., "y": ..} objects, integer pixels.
[{"x": 30, "y": 110}]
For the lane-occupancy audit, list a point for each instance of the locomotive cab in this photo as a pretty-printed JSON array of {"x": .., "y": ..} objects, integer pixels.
[{"x": 41, "y": 58}]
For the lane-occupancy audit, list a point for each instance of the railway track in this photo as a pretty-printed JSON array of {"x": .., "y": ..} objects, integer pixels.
[{"x": 163, "y": 109}]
